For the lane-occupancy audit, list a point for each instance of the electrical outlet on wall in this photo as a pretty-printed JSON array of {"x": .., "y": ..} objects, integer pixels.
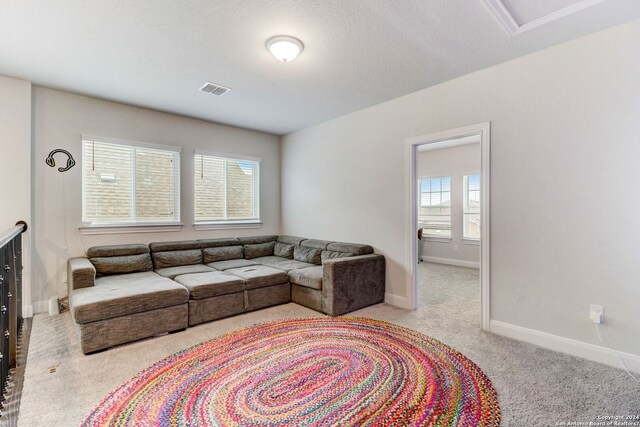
[{"x": 596, "y": 313}]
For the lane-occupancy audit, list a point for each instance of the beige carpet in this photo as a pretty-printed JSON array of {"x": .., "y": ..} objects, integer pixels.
[{"x": 536, "y": 387}]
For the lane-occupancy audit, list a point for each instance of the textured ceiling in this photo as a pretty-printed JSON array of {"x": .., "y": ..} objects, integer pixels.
[{"x": 157, "y": 53}]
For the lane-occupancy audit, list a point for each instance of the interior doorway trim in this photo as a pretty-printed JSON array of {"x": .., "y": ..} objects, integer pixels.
[{"x": 484, "y": 131}]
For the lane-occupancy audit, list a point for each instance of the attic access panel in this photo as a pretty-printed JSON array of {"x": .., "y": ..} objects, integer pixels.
[{"x": 517, "y": 16}]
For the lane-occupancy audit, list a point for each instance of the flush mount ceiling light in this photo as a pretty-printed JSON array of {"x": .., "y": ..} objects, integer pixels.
[{"x": 284, "y": 48}]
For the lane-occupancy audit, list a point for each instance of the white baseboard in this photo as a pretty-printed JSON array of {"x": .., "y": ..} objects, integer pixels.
[
  {"x": 40, "y": 307},
  {"x": 27, "y": 311},
  {"x": 581, "y": 349},
  {"x": 397, "y": 301},
  {"x": 449, "y": 261}
]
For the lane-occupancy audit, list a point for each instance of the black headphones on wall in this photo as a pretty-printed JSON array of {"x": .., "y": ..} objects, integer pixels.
[{"x": 51, "y": 162}]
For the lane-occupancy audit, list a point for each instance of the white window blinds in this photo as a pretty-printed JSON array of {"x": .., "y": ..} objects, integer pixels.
[
  {"x": 127, "y": 184},
  {"x": 471, "y": 207},
  {"x": 226, "y": 189},
  {"x": 434, "y": 215}
]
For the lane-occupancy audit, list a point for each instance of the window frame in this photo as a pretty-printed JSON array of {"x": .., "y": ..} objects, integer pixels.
[
  {"x": 431, "y": 237},
  {"x": 90, "y": 227},
  {"x": 465, "y": 190},
  {"x": 229, "y": 223}
]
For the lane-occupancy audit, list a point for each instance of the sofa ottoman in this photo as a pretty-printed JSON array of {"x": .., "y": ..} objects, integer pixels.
[
  {"x": 213, "y": 295},
  {"x": 266, "y": 286}
]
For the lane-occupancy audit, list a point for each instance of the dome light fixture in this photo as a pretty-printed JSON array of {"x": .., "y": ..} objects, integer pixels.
[{"x": 284, "y": 48}]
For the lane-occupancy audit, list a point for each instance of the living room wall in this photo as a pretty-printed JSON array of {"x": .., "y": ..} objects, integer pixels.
[
  {"x": 564, "y": 162},
  {"x": 15, "y": 163},
  {"x": 61, "y": 118}
]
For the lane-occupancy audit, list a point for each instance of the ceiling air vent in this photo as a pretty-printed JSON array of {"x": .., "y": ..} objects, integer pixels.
[{"x": 214, "y": 89}]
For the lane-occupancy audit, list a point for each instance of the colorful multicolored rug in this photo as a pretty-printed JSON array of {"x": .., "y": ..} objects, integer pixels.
[{"x": 307, "y": 372}]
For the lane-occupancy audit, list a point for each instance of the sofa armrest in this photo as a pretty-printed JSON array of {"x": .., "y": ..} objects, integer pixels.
[
  {"x": 352, "y": 283},
  {"x": 80, "y": 273}
]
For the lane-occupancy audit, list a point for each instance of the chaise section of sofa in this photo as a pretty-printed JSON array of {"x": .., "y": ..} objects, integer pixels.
[
  {"x": 352, "y": 283},
  {"x": 350, "y": 276},
  {"x": 115, "y": 297}
]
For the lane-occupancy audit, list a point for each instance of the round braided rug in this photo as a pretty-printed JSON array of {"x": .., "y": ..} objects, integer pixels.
[{"x": 307, "y": 372}]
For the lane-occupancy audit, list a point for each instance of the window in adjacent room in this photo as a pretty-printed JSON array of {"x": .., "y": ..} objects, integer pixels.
[
  {"x": 471, "y": 208},
  {"x": 123, "y": 183},
  {"x": 226, "y": 189},
  {"x": 434, "y": 216}
]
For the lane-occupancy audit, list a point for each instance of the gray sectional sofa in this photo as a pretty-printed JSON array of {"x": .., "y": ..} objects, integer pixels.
[{"x": 124, "y": 293}]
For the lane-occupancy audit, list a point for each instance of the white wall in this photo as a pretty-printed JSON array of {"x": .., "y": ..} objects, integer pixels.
[
  {"x": 564, "y": 161},
  {"x": 454, "y": 162},
  {"x": 15, "y": 164},
  {"x": 61, "y": 118}
]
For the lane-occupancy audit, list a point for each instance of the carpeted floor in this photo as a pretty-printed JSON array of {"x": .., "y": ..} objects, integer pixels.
[{"x": 536, "y": 387}]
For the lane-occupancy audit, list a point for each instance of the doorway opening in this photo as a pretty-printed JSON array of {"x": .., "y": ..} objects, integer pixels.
[{"x": 460, "y": 231}]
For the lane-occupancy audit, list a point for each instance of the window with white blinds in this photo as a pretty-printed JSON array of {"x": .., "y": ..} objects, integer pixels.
[
  {"x": 434, "y": 215},
  {"x": 129, "y": 184},
  {"x": 226, "y": 189},
  {"x": 471, "y": 208}
]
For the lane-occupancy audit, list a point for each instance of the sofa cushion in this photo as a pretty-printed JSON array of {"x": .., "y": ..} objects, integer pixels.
[
  {"x": 310, "y": 277},
  {"x": 216, "y": 243},
  {"x": 310, "y": 255},
  {"x": 291, "y": 240},
  {"x": 231, "y": 263},
  {"x": 354, "y": 248},
  {"x": 260, "y": 276},
  {"x": 124, "y": 294},
  {"x": 268, "y": 260},
  {"x": 290, "y": 264},
  {"x": 258, "y": 250},
  {"x": 318, "y": 244},
  {"x": 122, "y": 264},
  {"x": 117, "y": 250},
  {"x": 283, "y": 250},
  {"x": 172, "y": 272},
  {"x": 252, "y": 240},
  {"x": 221, "y": 253},
  {"x": 212, "y": 284},
  {"x": 176, "y": 258},
  {"x": 179, "y": 245},
  {"x": 325, "y": 255}
]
